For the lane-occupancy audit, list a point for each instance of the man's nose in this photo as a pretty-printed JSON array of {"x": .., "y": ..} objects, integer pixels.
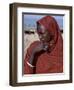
[{"x": 41, "y": 38}]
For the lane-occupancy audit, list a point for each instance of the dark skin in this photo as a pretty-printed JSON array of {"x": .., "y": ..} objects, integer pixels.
[{"x": 44, "y": 36}]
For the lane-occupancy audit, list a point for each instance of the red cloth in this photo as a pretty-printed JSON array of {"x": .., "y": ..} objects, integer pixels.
[{"x": 51, "y": 62}]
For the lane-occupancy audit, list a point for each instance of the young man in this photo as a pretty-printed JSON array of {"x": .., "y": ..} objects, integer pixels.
[{"x": 46, "y": 55}]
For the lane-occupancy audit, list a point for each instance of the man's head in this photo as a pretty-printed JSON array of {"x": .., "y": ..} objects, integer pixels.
[
  {"x": 44, "y": 35},
  {"x": 48, "y": 29}
]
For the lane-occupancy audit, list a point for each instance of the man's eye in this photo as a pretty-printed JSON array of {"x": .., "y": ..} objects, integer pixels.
[
  {"x": 40, "y": 32},
  {"x": 44, "y": 35}
]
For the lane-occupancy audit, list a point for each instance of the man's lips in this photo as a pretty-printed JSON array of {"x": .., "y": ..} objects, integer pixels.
[{"x": 42, "y": 40}]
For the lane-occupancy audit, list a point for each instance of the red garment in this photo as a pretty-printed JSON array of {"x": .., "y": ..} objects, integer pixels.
[{"x": 47, "y": 62}]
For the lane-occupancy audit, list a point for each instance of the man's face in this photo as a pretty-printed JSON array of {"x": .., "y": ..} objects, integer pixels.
[{"x": 44, "y": 35}]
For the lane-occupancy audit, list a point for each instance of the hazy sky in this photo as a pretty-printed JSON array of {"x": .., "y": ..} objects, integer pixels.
[{"x": 30, "y": 20}]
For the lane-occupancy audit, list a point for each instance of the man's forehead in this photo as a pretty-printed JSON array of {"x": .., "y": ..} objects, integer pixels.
[{"x": 41, "y": 28}]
